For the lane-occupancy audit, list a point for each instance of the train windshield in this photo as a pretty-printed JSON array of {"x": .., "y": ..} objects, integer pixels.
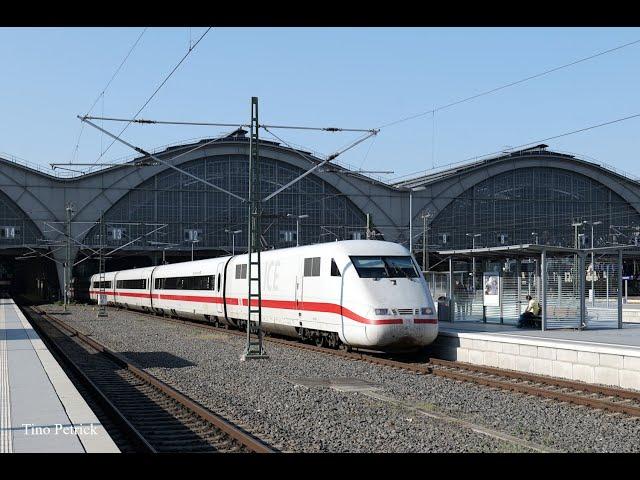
[{"x": 384, "y": 267}]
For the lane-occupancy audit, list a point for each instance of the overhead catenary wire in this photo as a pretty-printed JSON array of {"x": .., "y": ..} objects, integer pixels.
[
  {"x": 164, "y": 122},
  {"x": 218, "y": 124},
  {"x": 156, "y": 91},
  {"x": 106, "y": 87},
  {"x": 528, "y": 144},
  {"x": 318, "y": 165},
  {"x": 511, "y": 84}
]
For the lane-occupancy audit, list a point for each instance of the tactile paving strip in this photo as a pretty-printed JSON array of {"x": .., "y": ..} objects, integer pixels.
[{"x": 6, "y": 437}]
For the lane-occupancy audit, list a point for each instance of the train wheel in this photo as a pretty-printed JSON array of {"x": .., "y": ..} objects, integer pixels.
[
  {"x": 333, "y": 341},
  {"x": 320, "y": 341}
]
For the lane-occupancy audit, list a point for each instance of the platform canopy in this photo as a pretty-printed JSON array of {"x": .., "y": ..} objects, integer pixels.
[{"x": 528, "y": 250}]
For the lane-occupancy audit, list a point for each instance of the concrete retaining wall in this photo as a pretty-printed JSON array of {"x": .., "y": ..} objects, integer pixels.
[{"x": 587, "y": 362}]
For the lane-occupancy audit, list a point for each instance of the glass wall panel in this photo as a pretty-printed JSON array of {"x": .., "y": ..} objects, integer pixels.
[
  {"x": 541, "y": 203},
  {"x": 184, "y": 204}
]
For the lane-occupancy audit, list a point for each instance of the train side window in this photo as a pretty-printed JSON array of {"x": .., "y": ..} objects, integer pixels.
[
  {"x": 312, "y": 267},
  {"x": 218, "y": 282},
  {"x": 335, "y": 272}
]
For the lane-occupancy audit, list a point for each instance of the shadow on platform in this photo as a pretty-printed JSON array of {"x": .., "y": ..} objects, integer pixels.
[{"x": 18, "y": 334}]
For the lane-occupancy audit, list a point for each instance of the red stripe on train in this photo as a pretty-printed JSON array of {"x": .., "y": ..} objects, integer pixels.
[{"x": 281, "y": 304}]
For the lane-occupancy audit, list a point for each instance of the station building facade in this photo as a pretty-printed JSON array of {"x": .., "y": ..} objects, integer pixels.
[{"x": 152, "y": 213}]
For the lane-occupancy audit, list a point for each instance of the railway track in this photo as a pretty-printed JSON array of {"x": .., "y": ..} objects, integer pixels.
[
  {"x": 150, "y": 415},
  {"x": 610, "y": 399}
]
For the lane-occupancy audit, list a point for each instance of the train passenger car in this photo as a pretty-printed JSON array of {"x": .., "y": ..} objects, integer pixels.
[
  {"x": 108, "y": 283},
  {"x": 131, "y": 288},
  {"x": 191, "y": 289},
  {"x": 360, "y": 293}
]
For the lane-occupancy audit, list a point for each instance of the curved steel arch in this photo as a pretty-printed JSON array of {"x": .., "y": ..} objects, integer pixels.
[
  {"x": 207, "y": 159},
  {"x": 456, "y": 185},
  {"x": 118, "y": 181}
]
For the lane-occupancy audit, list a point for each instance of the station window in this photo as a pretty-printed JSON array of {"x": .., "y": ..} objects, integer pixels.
[
  {"x": 241, "y": 271},
  {"x": 335, "y": 272},
  {"x": 312, "y": 267}
]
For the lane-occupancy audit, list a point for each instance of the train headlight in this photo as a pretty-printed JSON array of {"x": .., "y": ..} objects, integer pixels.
[
  {"x": 382, "y": 311},
  {"x": 426, "y": 310}
]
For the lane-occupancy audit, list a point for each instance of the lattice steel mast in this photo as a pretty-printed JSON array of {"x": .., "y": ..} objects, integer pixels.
[
  {"x": 67, "y": 262},
  {"x": 254, "y": 347},
  {"x": 102, "y": 294}
]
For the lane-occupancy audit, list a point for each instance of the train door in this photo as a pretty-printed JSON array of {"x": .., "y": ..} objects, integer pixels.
[
  {"x": 219, "y": 279},
  {"x": 299, "y": 288}
]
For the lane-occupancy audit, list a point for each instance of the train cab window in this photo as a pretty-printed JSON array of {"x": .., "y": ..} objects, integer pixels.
[
  {"x": 241, "y": 271},
  {"x": 312, "y": 267},
  {"x": 335, "y": 272},
  {"x": 384, "y": 267}
]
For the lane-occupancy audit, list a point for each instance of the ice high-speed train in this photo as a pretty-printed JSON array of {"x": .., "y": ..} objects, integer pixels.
[{"x": 357, "y": 293}]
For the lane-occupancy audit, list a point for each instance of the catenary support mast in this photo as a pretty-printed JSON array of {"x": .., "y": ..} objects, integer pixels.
[
  {"x": 102, "y": 293},
  {"x": 254, "y": 347}
]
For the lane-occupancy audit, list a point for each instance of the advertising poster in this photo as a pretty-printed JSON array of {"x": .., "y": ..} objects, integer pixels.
[{"x": 491, "y": 289}]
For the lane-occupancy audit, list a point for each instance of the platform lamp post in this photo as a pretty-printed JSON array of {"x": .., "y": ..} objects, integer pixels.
[
  {"x": 69, "y": 208},
  {"x": 473, "y": 258},
  {"x": 425, "y": 240},
  {"x": 593, "y": 263},
  {"x": 192, "y": 243},
  {"x": 535, "y": 234},
  {"x": 411, "y": 190},
  {"x": 576, "y": 241},
  {"x": 298, "y": 218},
  {"x": 164, "y": 253},
  {"x": 233, "y": 239}
]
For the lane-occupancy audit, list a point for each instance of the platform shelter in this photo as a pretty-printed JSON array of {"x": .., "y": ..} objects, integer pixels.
[{"x": 576, "y": 288}]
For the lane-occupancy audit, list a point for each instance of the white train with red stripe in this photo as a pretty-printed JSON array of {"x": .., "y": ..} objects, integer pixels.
[{"x": 360, "y": 293}]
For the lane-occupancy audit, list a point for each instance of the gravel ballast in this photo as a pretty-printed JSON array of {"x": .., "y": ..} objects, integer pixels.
[{"x": 278, "y": 399}]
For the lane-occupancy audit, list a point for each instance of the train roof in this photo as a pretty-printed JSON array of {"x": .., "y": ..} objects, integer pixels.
[{"x": 346, "y": 247}]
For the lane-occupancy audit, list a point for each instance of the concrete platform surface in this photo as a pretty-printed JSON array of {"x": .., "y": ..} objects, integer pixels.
[
  {"x": 40, "y": 409},
  {"x": 599, "y": 356},
  {"x": 628, "y": 336}
]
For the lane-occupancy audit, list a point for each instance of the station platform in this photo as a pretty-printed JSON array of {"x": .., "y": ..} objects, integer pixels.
[
  {"x": 40, "y": 409},
  {"x": 598, "y": 356}
]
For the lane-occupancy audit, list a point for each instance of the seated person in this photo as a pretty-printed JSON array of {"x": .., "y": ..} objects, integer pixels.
[{"x": 530, "y": 317}]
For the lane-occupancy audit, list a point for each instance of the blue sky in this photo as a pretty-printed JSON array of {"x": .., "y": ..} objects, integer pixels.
[{"x": 349, "y": 77}]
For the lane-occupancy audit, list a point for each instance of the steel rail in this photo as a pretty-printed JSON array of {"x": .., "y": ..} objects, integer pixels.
[
  {"x": 557, "y": 382},
  {"x": 117, "y": 416},
  {"x": 360, "y": 356},
  {"x": 445, "y": 368},
  {"x": 249, "y": 441},
  {"x": 538, "y": 391}
]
